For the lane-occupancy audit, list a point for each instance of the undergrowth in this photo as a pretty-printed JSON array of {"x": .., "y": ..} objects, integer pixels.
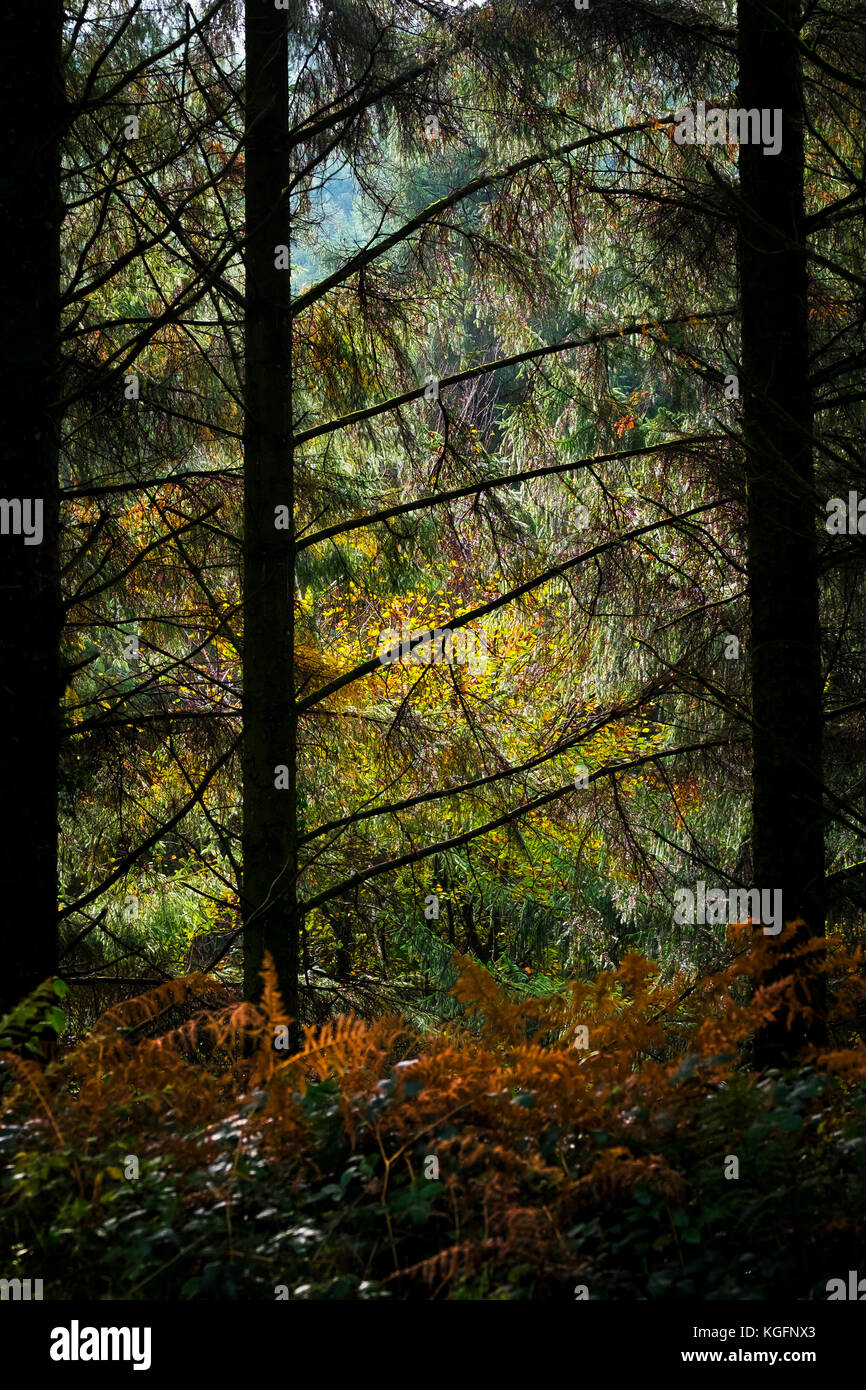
[{"x": 610, "y": 1141}]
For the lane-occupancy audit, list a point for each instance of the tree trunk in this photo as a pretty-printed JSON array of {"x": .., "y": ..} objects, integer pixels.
[
  {"x": 471, "y": 939},
  {"x": 30, "y": 609},
  {"x": 270, "y": 719},
  {"x": 344, "y": 937},
  {"x": 787, "y": 831},
  {"x": 492, "y": 935}
]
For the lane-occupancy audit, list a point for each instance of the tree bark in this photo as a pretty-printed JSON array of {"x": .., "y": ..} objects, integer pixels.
[
  {"x": 30, "y": 609},
  {"x": 787, "y": 829},
  {"x": 269, "y": 707}
]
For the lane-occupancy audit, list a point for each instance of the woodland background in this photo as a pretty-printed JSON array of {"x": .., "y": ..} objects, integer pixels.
[{"x": 351, "y": 991}]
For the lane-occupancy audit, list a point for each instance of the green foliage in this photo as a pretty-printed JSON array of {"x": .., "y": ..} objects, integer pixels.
[{"x": 37, "y": 1018}]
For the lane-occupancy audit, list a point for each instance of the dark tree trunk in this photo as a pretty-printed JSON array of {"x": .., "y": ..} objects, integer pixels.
[
  {"x": 344, "y": 936},
  {"x": 449, "y": 905},
  {"x": 269, "y": 713},
  {"x": 471, "y": 938},
  {"x": 788, "y": 834},
  {"x": 381, "y": 943},
  {"x": 30, "y": 610},
  {"x": 492, "y": 934},
  {"x": 452, "y": 934}
]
